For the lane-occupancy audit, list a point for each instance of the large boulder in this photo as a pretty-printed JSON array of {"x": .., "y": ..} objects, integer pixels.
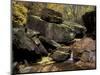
[
  {"x": 64, "y": 32},
  {"x": 51, "y": 16}
]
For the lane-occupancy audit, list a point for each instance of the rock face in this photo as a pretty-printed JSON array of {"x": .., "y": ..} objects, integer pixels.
[
  {"x": 52, "y": 16},
  {"x": 61, "y": 54},
  {"x": 89, "y": 19},
  {"x": 64, "y": 32}
]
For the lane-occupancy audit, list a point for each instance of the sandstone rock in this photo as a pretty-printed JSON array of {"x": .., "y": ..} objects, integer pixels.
[{"x": 84, "y": 50}]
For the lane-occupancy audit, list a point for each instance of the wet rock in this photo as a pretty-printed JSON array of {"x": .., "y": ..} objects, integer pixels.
[
  {"x": 61, "y": 54},
  {"x": 51, "y": 16}
]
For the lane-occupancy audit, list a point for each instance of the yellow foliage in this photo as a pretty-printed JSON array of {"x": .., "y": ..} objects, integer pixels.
[
  {"x": 46, "y": 60},
  {"x": 19, "y": 14},
  {"x": 56, "y": 7}
]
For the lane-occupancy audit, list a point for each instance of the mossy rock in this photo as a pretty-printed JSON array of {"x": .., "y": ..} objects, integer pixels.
[
  {"x": 64, "y": 32},
  {"x": 61, "y": 54},
  {"x": 51, "y": 16}
]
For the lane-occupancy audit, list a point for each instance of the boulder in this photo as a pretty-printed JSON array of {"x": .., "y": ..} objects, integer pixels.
[
  {"x": 88, "y": 56},
  {"x": 84, "y": 50},
  {"x": 37, "y": 24},
  {"x": 49, "y": 44},
  {"x": 59, "y": 33},
  {"x": 64, "y": 32},
  {"x": 51, "y": 16},
  {"x": 61, "y": 54},
  {"x": 78, "y": 29}
]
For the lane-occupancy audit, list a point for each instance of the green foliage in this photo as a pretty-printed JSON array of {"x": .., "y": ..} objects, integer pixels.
[
  {"x": 19, "y": 14},
  {"x": 74, "y": 12}
]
